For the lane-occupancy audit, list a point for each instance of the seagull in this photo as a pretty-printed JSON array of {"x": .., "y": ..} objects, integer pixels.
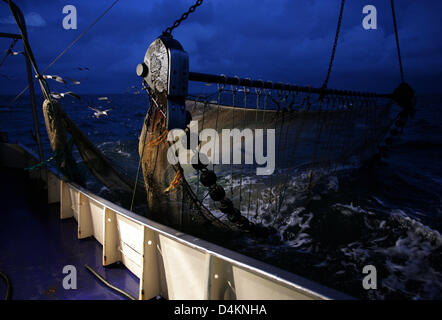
[
  {"x": 75, "y": 82},
  {"x": 105, "y": 99},
  {"x": 15, "y": 53},
  {"x": 98, "y": 112},
  {"x": 60, "y": 95},
  {"x": 54, "y": 77}
]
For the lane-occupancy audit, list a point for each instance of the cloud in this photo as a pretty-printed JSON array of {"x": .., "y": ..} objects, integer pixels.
[
  {"x": 32, "y": 19},
  {"x": 282, "y": 41}
]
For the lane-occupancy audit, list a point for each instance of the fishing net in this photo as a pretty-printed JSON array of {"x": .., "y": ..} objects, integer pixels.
[
  {"x": 58, "y": 125},
  {"x": 316, "y": 138}
]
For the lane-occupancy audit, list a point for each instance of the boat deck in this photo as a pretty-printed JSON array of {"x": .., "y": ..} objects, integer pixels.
[
  {"x": 35, "y": 245},
  {"x": 142, "y": 257}
]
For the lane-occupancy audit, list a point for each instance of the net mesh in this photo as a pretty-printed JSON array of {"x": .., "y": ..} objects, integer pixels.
[{"x": 316, "y": 139}]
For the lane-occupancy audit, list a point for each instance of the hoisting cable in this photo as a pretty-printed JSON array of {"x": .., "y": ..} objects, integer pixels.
[
  {"x": 20, "y": 20},
  {"x": 397, "y": 41},
  {"x": 108, "y": 284},
  {"x": 68, "y": 47},
  {"x": 335, "y": 43},
  {"x": 147, "y": 122},
  {"x": 168, "y": 30}
]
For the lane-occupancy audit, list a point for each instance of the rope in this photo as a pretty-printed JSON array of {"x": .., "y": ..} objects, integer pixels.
[
  {"x": 43, "y": 163},
  {"x": 244, "y": 125},
  {"x": 56, "y": 155},
  {"x": 397, "y": 40},
  {"x": 174, "y": 183},
  {"x": 108, "y": 284},
  {"x": 220, "y": 90},
  {"x": 141, "y": 157},
  {"x": 335, "y": 43},
  {"x": 161, "y": 139},
  {"x": 67, "y": 48}
]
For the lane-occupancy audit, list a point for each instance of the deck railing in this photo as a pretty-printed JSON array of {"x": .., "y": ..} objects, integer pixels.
[{"x": 167, "y": 262}]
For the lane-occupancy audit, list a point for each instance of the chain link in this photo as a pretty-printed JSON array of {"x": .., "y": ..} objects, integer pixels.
[{"x": 183, "y": 17}]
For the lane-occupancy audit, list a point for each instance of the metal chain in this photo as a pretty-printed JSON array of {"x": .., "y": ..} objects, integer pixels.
[
  {"x": 338, "y": 28},
  {"x": 183, "y": 17}
]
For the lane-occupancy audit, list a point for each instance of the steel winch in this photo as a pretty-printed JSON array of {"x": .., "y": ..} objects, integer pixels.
[{"x": 166, "y": 71}]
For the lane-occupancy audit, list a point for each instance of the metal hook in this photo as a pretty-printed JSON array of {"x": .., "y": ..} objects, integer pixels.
[
  {"x": 235, "y": 88},
  {"x": 221, "y": 86},
  {"x": 268, "y": 92},
  {"x": 258, "y": 90},
  {"x": 245, "y": 88}
]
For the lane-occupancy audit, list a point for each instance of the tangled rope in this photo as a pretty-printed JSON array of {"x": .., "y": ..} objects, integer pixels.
[
  {"x": 176, "y": 180},
  {"x": 56, "y": 156},
  {"x": 161, "y": 139}
]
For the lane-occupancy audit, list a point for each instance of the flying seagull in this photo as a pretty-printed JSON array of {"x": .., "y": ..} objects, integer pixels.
[
  {"x": 75, "y": 82},
  {"x": 15, "y": 53},
  {"x": 54, "y": 77},
  {"x": 104, "y": 99},
  {"x": 60, "y": 95},
  {"x": 99, "y": 113}
]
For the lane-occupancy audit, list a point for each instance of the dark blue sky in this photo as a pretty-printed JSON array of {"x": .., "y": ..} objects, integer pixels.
[{"x": 278, "y": 40}]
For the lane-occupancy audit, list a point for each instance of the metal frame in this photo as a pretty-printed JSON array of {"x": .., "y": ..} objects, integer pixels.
[
  {"x": 211, "y": 78},
  {"x": 165, "y": 69}
]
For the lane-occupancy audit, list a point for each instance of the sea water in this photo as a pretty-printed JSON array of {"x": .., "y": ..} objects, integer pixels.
[{"x": 389, "y": 217}]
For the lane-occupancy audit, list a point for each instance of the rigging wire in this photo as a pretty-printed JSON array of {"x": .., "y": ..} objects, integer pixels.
[{"x": 397, "y": 41}]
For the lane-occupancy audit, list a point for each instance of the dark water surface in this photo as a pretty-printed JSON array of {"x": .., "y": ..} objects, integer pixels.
[{"x": 389, "y": 217}]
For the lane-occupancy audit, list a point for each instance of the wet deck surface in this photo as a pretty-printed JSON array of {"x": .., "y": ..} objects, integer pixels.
[{"x": 35, "y": 245}]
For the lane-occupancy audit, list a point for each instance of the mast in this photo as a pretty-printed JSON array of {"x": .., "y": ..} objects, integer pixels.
[{"x": 23, "y": 37}]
